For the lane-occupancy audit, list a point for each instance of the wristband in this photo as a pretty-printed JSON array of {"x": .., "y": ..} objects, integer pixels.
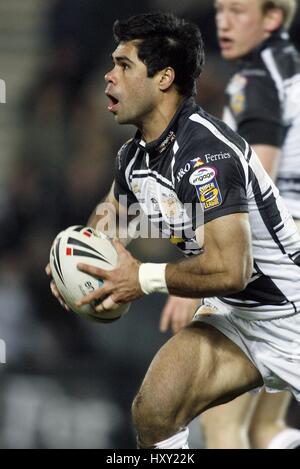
[{"x": 152, "y": 278}]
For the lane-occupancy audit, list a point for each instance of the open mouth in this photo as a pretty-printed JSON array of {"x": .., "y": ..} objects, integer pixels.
[
  {"x": 113, "y": 103},
  {"x": 225, "y": 42}
]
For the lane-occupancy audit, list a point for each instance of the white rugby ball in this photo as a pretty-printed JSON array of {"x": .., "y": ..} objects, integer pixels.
[{"x": 79, "y": 244}]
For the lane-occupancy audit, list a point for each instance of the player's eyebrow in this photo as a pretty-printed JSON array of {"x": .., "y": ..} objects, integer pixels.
[{"x": 121, "y": 58}]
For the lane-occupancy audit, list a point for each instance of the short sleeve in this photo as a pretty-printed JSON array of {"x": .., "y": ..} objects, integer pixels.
[
  {"x": 215, "y": 189},
  {"x": 254, "y": 102}
]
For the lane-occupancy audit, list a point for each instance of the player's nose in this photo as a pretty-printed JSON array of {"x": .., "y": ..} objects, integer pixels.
[
  {"x": 222, "y": 21},
  {"x": 109, "y": 77}
]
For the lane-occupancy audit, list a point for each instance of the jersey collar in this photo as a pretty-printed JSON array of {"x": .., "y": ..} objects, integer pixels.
[
  {"x": 169, "y": 135},
  {"x": 276, "y": 38}
]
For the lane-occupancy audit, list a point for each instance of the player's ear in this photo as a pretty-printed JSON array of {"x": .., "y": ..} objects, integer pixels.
[
  {"x": 166, "y": 78},
  {"x": 273, "y": 19}
]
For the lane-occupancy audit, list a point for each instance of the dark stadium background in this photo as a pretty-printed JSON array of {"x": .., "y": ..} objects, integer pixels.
[{"x": 67, "y": 382}]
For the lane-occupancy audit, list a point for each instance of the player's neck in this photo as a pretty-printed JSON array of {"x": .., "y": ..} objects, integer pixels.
[{"x": 156, "y": 123}]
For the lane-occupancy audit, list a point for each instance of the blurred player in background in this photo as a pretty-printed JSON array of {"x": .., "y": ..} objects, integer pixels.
[
  {"x": 180, "y": 155},
  {"x": 263, "y": 105}
]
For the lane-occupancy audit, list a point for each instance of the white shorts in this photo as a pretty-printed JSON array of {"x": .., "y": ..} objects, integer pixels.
[{"x": 273, "y": 345}]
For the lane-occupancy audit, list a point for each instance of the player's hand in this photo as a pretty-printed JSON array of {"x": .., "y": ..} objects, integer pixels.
[
  {"x": 54, "y": 289},
  {"x": 121, "y": 285},
  {"x": 177, "y": 313}
]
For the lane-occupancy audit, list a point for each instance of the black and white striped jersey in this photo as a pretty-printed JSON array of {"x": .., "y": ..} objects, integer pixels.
[
  {"x": 263, "y": 105},
  {"x": 201, "y": 163}
]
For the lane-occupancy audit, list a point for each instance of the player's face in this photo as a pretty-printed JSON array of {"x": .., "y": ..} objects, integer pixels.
[
  {"x": 132, "y": 95},
  {"x": 241, "y": 26}
]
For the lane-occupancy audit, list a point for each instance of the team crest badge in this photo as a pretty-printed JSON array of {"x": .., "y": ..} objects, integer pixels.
[
  {"x": 236, "y": 91},
  {"x": 171, "y": 206},
  {"x": 237, "y": 103}
]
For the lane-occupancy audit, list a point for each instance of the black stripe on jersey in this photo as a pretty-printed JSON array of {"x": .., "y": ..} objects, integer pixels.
[
  {"x": 297, "y": 260},
  {"x": 268, "y": 210},
  {"x": 262, "y": 291},
  {"x": 268, "y": 191},
  {"x": 296, "y": 254},
  {"x": 270, "y": 214},
  {"x": 243, "y": 304},
  {"x": 279, "y": 228},
  {"x": 249, "y": 154},
  {"x": 256, "y": 305}
]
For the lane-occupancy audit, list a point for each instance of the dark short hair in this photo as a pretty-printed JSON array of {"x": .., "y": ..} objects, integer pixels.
[{"x": 166, "y": 41}]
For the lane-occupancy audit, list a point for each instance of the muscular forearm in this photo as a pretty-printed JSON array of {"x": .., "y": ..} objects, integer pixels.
[{"x": 194, "y": 279}]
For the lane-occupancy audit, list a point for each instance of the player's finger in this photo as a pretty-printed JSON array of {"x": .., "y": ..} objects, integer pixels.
[
  {"x": 54, "y": 290},
  {"x": 58, "y": 296},
  {"x": 63, "y": 304},
  {"x": 94, "y": 271},
  {"x": 48, "y": 269},
  {"x": 107, "y": 304},
  {"x": 98, "y": 294},
  {"x": 118, "y": 246}
]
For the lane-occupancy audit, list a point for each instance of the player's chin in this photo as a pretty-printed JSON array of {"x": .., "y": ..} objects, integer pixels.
[
  {"x": 229, "y": 54},
  {"x": 123, "y": 120}
]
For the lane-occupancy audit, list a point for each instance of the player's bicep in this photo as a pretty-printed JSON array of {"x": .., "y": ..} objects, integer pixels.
[{"x": 227, "y": 242}]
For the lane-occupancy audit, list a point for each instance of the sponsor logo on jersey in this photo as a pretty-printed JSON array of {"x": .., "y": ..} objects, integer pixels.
[
  {"x": 217, "y": 157},
  {"x": 183, "y": 171},
  {"x": 208, "y": 191},
  {"x": 195, "y": 163},
  {"x": 202, "y": 176}
]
